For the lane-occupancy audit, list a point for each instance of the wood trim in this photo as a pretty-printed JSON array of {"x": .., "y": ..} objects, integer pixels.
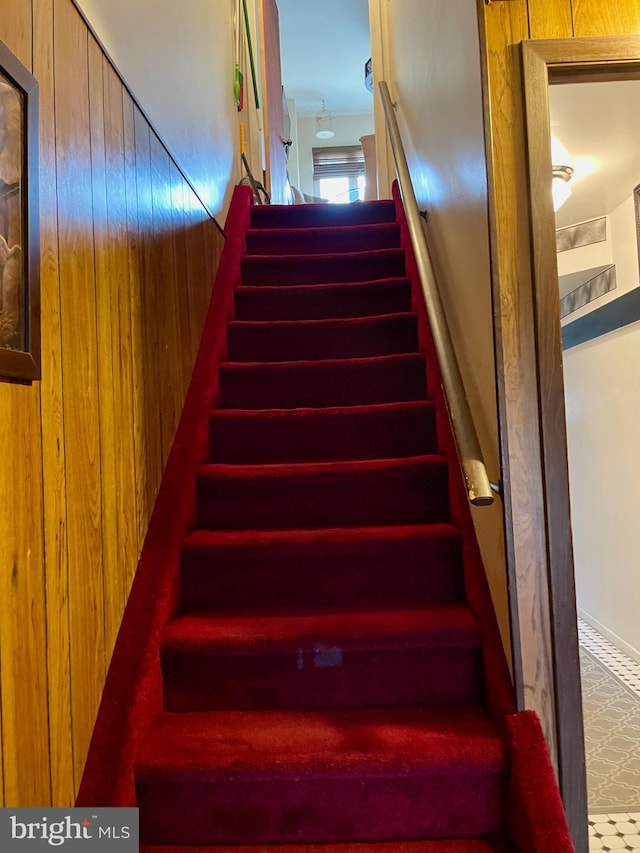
[
  {"x": 566, "y": 664},
  {"x": 544, "y": 61},
  {"x": 24, "y": 365},
  {"x": 515, "y": 364}
]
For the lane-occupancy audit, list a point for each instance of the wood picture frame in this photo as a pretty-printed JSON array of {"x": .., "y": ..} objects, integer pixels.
[{"x": 19, "y": 222}]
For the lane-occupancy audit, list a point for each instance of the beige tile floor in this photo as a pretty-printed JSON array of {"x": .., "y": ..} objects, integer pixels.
[{"x": 611, "y": 703}]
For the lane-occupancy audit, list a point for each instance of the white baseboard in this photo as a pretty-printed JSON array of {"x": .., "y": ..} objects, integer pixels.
[{"x": 605, "y": 632}]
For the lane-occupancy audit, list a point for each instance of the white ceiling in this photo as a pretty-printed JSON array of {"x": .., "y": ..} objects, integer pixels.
[
  {"x": 598, "y": 125},
  {"x": 324, "y": 45}
]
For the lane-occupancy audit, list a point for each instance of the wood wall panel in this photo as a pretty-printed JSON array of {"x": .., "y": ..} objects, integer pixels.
[
  {"x": 152, "y": 446},
  {"x": 134, "y": 251},
  {"x": 125, "y": 243},
  {"x": 120, "y": 349},
  {"x": 23, "y": 661},
  {"x": 167, "y": 301},
  {"x": 598, "y": 18},
  {"x": 525, "y": 371},
  {"x": 550, "y": 19},
  {"x": 53, "y": 446},
  {"x": 507, "y": 24},
  {"x": 80, "y": 367}
]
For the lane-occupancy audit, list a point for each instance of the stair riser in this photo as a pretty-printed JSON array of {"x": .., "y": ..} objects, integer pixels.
[
  {"x": 344, "y": 384},
  {"x": 248, "y": 342},
  {"x": 367, "y": 574},
  {"x": 322, "y": 303},
  {"x": 296, "y": 269},
  {"x": 321, "y": 678},
  {"x": 339, "y": 500},
  {"x": 323, "y": 240},
  {"x": 320, "y": 437},
  {"x": 321, "y": 215},
  {"x": 316, "y": 809}
]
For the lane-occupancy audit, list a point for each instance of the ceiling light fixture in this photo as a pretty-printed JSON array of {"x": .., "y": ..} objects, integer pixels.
[
  {"x": 324, "y": 123},
  {"x": 560, "y": 188}
]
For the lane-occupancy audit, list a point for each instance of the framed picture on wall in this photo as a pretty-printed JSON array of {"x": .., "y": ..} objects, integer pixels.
[{"x": 19, "y": 222}]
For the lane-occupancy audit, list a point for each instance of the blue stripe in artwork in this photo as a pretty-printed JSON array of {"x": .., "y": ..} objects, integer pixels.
[{"x": 615, "y": 314}]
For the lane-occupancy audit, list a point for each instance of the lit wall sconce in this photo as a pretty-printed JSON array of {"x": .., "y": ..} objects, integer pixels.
[
  {"x": 324, "y": 123},
  {"x": 368, "y": 75},
  {"x": 560, "y": 188}
]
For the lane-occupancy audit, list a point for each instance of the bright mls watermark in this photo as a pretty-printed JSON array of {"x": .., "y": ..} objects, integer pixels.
[{"x": 79, "y": 830}]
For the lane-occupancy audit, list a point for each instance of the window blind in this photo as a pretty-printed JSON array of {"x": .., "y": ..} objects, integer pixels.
[{"x": 338, "y": 161}]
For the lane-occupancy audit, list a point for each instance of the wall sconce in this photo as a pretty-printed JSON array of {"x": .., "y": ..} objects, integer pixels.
[
  {"x": 560, "y": 188},
  {"x": 324, "y": 123},
  {"x": 368, "y": 75}
]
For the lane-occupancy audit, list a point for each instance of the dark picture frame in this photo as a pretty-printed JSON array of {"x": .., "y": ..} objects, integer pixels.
[{"x": 19, "y": 222}]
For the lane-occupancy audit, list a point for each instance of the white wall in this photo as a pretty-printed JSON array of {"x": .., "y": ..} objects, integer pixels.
[
  {"x": 602, "y": 392},
  {"x": 177, "y": 59},
  {"x": 441, "y": 121},
  {"x": 586, "y": 257},
  {"x": 348, "y": 130}
]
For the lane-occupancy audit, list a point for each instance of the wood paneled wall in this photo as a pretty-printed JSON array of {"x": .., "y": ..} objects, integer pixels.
[
  {"x": 128, "y": 257},
  {"x": 504, "y": 24}
]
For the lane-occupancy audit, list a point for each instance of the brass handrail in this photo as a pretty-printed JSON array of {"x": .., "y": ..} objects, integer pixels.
[{"x": 479, "y": 488}]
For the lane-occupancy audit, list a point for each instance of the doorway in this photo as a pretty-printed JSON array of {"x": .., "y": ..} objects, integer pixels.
[{"x": 568, "y": 65}]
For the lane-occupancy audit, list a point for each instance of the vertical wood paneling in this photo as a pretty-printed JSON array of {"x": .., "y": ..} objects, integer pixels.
[
  {"x": 166, "y": 299},
  {"x": 182, "y": 272},
  {"x": 506, "y": 25},
  {"x": 121, "y": 338},
  {"x": 112, "y": 587},
  {"x": 85, "y": 447},
  {"x": 550, "y": 19},
  {"x": 150, "y": 342},
  {"x": 80, "y": 373},
  {"x": 199, "y": 286},
  {"x": 134, "y": 250},
  {"x": 119, "y": 348},
  {"x": 598, "y": 18},
  {"x": 23, "y": 658},
  {"x": 53, "y": 448}
]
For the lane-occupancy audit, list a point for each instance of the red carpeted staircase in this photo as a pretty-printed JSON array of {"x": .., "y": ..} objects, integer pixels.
[{"x": 331, "y": 673}]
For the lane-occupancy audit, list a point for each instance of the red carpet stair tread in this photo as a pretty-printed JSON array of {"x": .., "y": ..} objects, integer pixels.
[{"x": 323, "y": 685}]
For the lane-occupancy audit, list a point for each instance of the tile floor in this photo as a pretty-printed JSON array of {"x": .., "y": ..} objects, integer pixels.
[{"x": 618, "y": 828}]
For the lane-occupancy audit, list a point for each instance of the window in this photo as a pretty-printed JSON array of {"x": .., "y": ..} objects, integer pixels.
[{"x": 338, "y": 173}]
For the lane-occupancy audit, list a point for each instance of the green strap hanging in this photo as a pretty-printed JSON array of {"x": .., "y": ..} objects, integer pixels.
[{"x": 253, "y": 69}]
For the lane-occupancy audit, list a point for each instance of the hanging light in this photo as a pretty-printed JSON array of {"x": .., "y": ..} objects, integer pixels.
[
  {"x": 324, "y": 123},
  {"x": 560, "y": 188},
  {"x": 368, "y": 75}
]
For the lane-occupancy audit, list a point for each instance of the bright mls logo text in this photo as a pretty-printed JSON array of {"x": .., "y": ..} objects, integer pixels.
[
  {"x": 33, "y": 829},
  {"x": 57, "y": 832}
]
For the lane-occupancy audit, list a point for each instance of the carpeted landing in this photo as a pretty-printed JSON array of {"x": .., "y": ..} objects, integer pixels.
[{"x": 324, "y": 687}]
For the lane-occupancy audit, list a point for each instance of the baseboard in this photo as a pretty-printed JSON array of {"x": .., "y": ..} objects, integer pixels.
[{"x": 608, "y": 634}]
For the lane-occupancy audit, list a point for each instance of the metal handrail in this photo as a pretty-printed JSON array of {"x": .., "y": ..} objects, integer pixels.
[{"x": 479, "y": 488}]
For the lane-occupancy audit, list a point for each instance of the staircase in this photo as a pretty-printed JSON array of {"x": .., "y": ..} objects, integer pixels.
[
  {"x": 309, "y": 659},
  {"x": 324, "y": 681}
]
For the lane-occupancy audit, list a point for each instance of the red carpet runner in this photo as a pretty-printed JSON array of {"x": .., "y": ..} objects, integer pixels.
[{"x": 332, "y": 679}]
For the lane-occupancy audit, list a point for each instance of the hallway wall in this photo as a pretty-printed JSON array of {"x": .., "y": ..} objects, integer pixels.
[
  {"x": 602, "y": 393},
  {"x": 127, "y": 258},
  {"x": 179, "y": 67},
  {"x": 347, "y": 129},
  {"x": 433, "y": 70}
]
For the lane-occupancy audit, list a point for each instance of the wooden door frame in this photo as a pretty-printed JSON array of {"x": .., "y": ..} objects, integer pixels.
[{"x": 544, "y": 62}]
